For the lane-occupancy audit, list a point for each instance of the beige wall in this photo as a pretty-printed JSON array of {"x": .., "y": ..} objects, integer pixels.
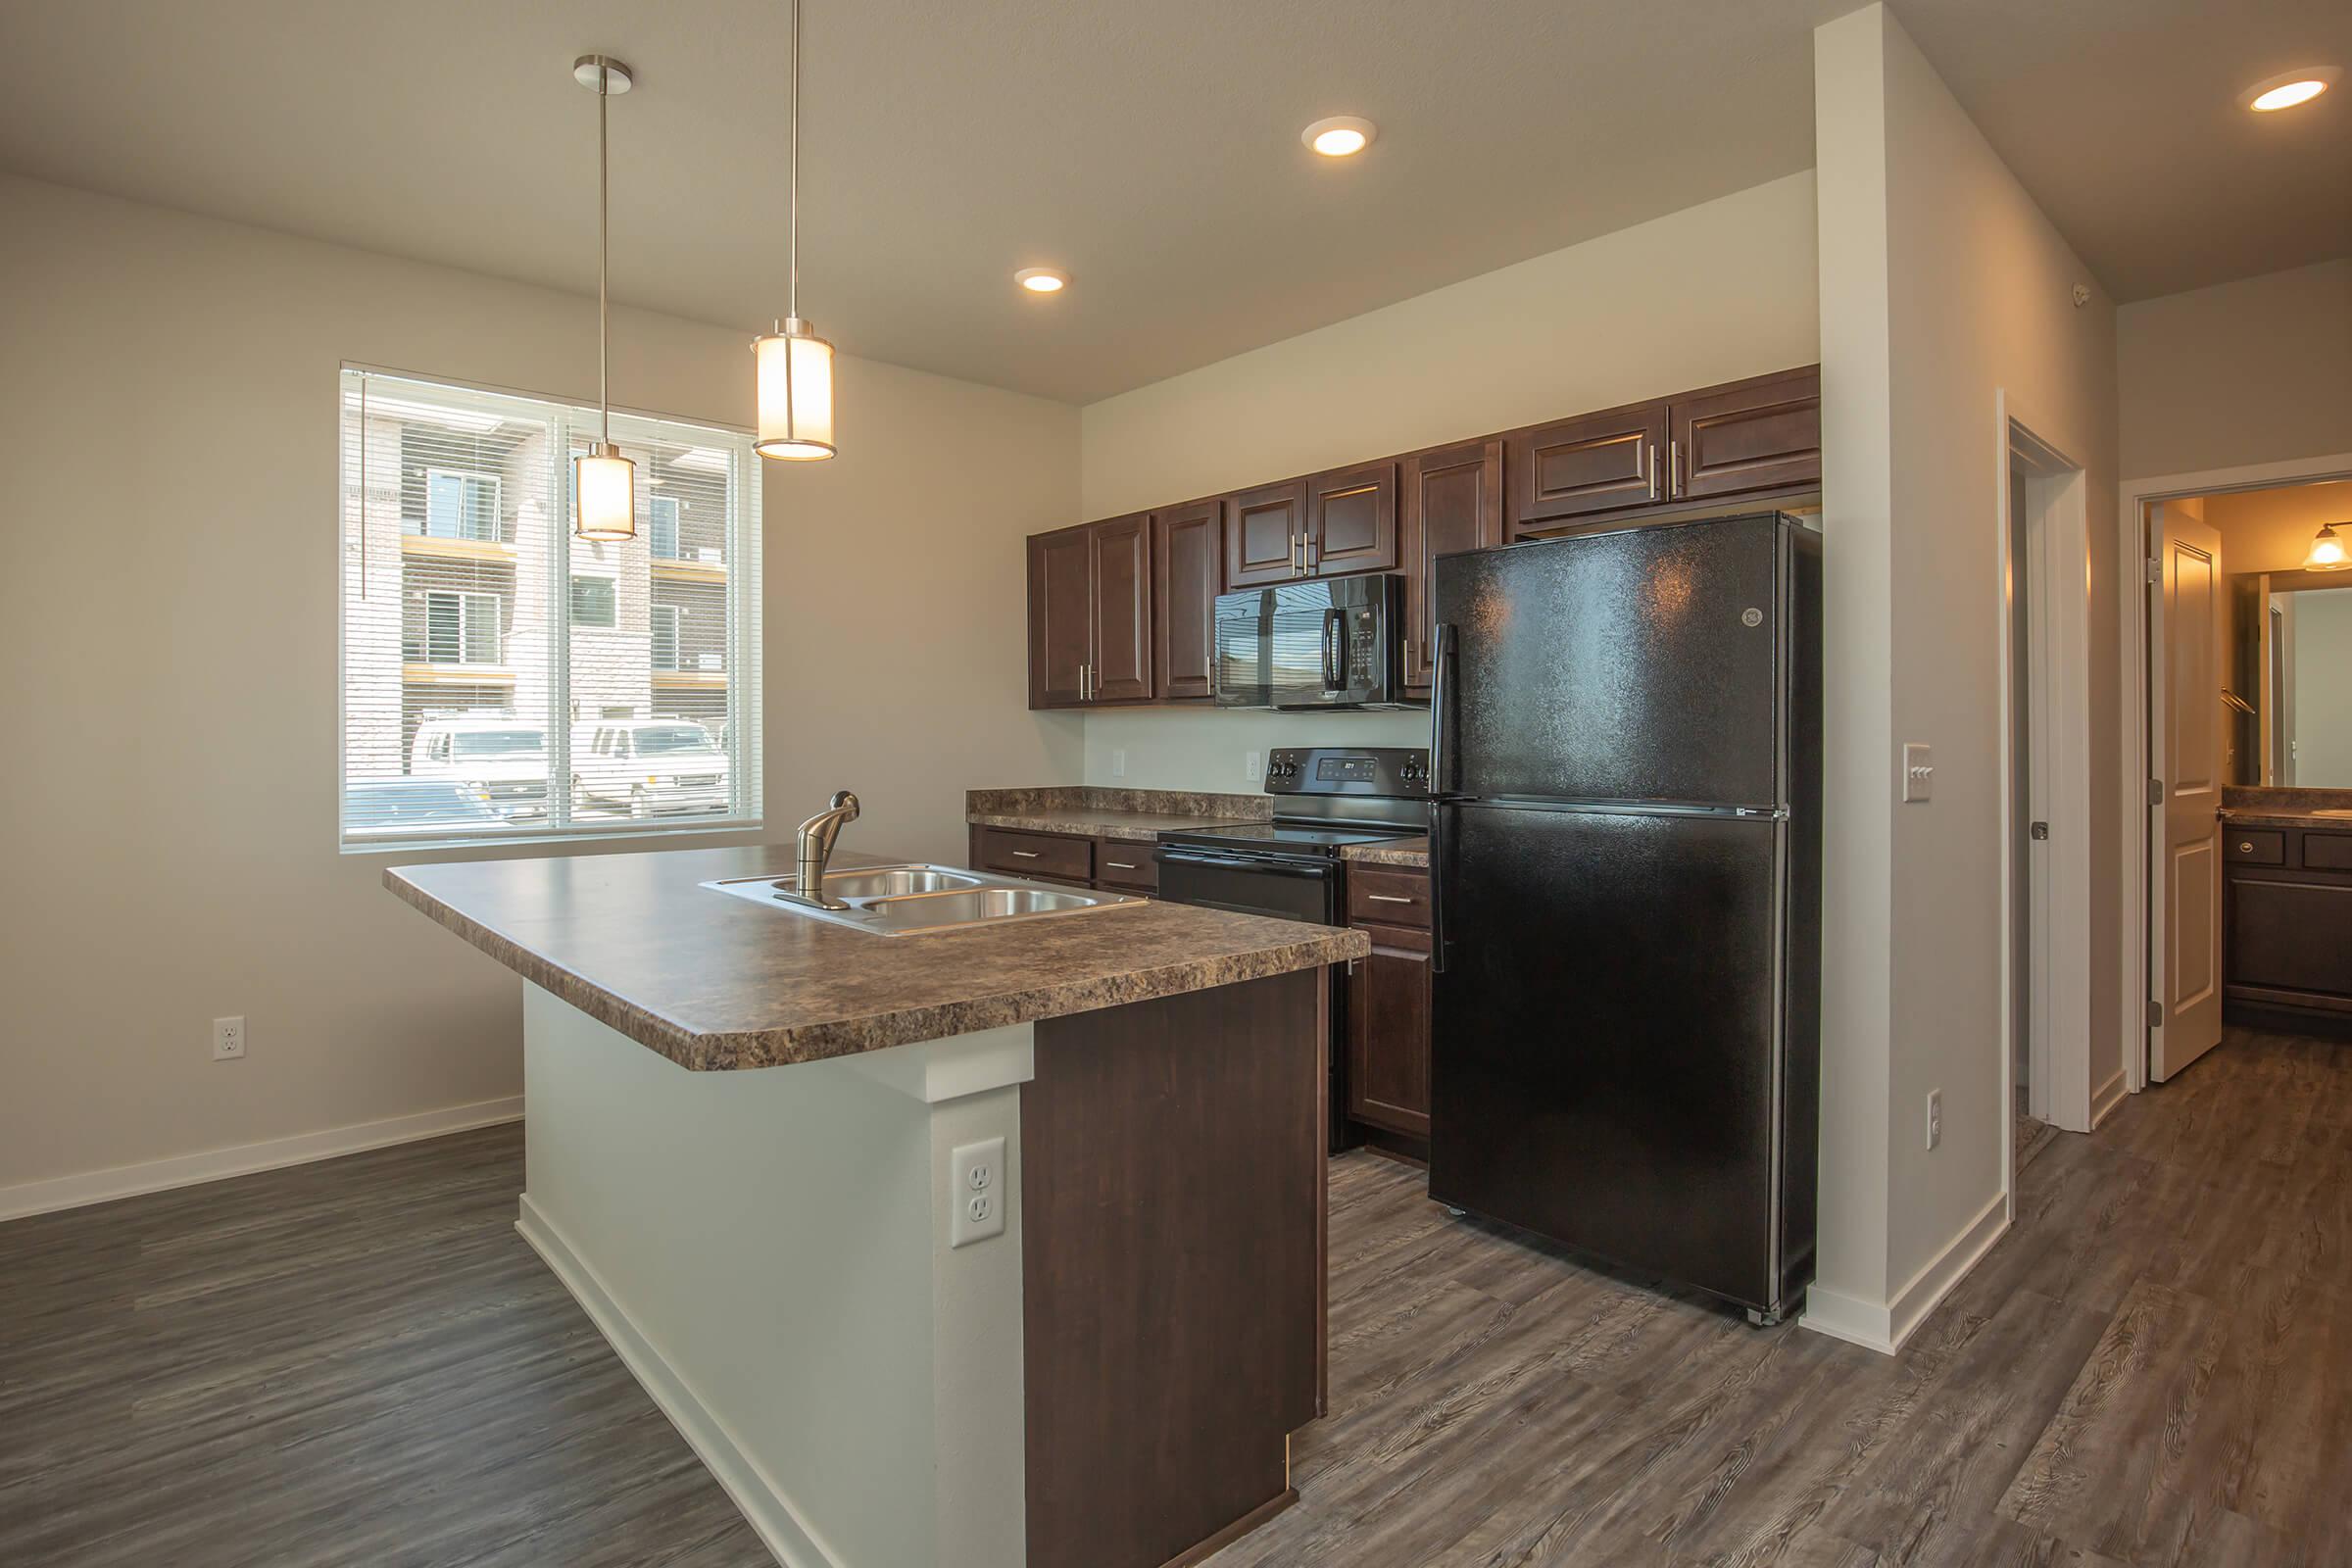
[
  {"x": 170, "y": 612},
  {"x": 1949, "y": 289},
  {"x": 2258, "y": 371},
  {"x": 1710, "y": 294},
  {"x": 2271, "y": 530}
]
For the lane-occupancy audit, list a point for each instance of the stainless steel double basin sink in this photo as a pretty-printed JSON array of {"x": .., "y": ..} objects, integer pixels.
[{"x": 910, "y": 900}]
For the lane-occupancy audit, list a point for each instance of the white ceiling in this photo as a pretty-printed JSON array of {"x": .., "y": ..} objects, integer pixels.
[{"x": 1149, "y": 148}]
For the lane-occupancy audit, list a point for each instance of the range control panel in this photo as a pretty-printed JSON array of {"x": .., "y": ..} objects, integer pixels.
[{"x": 1394, "y": 772}]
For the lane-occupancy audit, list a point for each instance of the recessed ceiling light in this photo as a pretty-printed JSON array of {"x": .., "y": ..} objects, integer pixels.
[
  {"x": 2288, "y": 88},
  {"x": 1042, "y": 279},
  {"x": 1339, "y": 137}
]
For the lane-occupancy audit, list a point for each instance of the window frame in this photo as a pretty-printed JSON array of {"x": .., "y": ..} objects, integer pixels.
[
  {"x": 677, "y": 639},
  {"x": 571, "y": 603},
  {"x": 653, "y": 528},
  {"x": 567, "y": 426},
  {"x": 466, "y": 479}
]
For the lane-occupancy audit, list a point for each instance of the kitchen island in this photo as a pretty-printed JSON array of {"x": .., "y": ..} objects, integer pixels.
[{"x": 753, "y": 1139}]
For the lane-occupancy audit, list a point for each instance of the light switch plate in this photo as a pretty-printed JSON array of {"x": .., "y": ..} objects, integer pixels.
[
  {"x": 1919, "y": 772},
  {"x": 976, "y": 1194}
]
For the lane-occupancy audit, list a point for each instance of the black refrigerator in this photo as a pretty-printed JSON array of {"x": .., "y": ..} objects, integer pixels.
[{"x": 1625, "y": 863}]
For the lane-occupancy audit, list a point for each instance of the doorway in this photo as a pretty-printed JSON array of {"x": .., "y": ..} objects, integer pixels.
[{"x": 2209, "y": 676}]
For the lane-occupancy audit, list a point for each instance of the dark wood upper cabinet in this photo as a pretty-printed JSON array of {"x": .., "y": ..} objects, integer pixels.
[
  {"x": 1578, "y": 468},
  {"x": 1061, "y": 616},
  {"x": 1452, "y": 500},
  {"x": 1750, "y": 436},
  {"x": 1265, "y": 533},
  {"x": 1122, "y": 571},
  {"x": 1352, "y": 520},
  {"x": 1185, "y": 561}
]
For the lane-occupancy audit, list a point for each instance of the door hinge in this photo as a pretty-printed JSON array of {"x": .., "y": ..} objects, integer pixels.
[
  {"x": 2155, "y": 571},
  {"x": 2155, "y": 792},
  {"x": 2155, "y": 1014}
]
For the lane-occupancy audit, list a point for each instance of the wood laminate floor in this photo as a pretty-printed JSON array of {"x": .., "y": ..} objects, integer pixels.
[{"x": 359, "y": 1362}]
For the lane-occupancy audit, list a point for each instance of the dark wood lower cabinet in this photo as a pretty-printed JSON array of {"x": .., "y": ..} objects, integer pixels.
[
  {"x": 1388, "y": 1032},
  {"x": 2288, "y": 913},
  {"x": 1173, "y": 1268}
]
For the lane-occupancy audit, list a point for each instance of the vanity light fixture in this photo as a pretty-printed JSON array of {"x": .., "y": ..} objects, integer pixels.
[
  {"x": 2328, "y": 550},
  {"x": 2288, "y": 88},
  {"x": 1340, "y": 135},
  {"x": 603, "y": 484},
  {"x": 1042, "y": 279},
  {"x": 795, "y": 365}
]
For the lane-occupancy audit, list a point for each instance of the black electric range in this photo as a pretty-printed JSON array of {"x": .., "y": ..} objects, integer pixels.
[{"x": 1326, "y": 799}]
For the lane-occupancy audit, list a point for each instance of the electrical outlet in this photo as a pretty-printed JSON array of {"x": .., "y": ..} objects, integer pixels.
[
  {"x": 1118, "y": 761},
  {"x": 229, "y": 1039},
  {"x": 1934, "y": 1117},
  {"x": 1250, "y": 770},
  {"x": 976, "y": 1192}
]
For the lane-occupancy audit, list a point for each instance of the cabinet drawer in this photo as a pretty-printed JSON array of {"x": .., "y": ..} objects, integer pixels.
[
  {"x": 1387, "y": 897},
  {"x": 1126, "y": 864},
  {"x": 2328, "y": 852},
  {"x": 2254, "y": 846},
  {"x": 1048, "y": 854}
]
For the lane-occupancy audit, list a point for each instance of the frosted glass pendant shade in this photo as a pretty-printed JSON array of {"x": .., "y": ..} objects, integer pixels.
[
  {"x": 795, "y": 393},
  {"x": 604, "y": 494},
  {"x": 2328, "y": 552}
]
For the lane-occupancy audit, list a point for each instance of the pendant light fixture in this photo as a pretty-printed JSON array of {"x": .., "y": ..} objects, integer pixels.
[
  {"x": 795, "y": 365},
  {"x": 603, "y": 484},
  {"x": 2328, "y": 550}
]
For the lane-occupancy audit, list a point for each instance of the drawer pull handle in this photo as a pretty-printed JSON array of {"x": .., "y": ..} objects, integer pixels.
[
  {"x": 1120, "y": 865},
  {"x": 1025, "y": 854},
  {"x": 1388, "y": 898},
  {"x": 2245, "y": 847}
]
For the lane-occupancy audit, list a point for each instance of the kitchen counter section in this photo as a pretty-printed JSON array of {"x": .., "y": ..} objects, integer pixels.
[
  {"x": 1411, "y": 854},
  {"x": 718, "y": 983},
  {"x": 1134, "y": 815},
  {"x": 2249, "y": 816}
]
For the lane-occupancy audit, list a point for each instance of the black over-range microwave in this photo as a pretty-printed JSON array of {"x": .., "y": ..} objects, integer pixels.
[{"x": 1326, "y": 643}]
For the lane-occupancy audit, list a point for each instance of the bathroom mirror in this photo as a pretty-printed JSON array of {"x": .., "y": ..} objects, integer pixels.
[{"x": 2299, "y": 683}]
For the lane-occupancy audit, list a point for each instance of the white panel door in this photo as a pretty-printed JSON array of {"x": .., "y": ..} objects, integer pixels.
[{"x": 2190, "y": 863}]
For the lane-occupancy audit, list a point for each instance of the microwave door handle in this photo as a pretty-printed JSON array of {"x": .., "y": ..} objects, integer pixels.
[{"x": 1332, "y": 650}]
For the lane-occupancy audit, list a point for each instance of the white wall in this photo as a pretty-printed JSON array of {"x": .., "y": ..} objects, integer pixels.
[
  {"x": 2258, "y": 371},
  {"x": 168, "y": 387},
  {"x": 1948, "y": 288},
  {"x": 1713, "y": 293}
]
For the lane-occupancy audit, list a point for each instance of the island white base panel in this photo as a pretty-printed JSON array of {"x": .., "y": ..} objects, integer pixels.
[{"x": 767, "y": 1251}]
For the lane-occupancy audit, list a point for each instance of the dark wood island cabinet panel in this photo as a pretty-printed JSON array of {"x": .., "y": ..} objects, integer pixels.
[
  {"x": 1061, "y": 616},
  {"x": 1186, "y": 558},
  {"x": 1452, "y": 500},
  {"x": 1265, "y": 532},
  {"x": 1352, "y": 520},
  {"x": 1579, "y": 467},
  {"x": 1746, "y": 439},
  {"x": 1122, "y": 588},
  {"x": 1167, "y": 1364}
]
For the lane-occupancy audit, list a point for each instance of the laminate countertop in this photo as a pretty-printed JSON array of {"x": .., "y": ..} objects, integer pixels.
[
  {"x": 1095, "y": 811},
  {"x": 1408, "y": 853},
  {"x": 715, "y": 982},
  {"x": 2253, "y": 816}
]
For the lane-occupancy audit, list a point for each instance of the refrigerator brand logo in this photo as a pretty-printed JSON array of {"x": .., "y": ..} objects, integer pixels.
[{"x": 1751, "y": 616}]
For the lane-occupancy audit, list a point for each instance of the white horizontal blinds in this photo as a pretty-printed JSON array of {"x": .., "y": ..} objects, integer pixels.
[
  {"x": 479, "y": 638},
  {"x": 657, "y": 650}
]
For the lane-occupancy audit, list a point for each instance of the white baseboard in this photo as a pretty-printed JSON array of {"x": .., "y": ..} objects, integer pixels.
[
  {"x": 2109, "y": 1095},
  {"x": 763, "y": 1505},
  {"x": 1884, "y": 1327},
  {"x": 217, "y": 1164}
]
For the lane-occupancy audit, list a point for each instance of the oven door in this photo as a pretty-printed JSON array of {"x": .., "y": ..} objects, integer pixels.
[{"x": 1286, "y": 889}]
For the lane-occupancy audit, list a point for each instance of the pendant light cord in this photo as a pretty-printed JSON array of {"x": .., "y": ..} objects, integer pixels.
[
  {"x": 792, "y": 287},
  {"x": 603, "y": 227}
]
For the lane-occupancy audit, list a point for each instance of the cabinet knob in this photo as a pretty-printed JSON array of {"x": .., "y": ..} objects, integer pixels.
[{"x": 2245, "y": 847}]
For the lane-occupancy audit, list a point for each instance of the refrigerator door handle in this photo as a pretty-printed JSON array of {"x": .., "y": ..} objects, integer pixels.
[{"x": 1441, "y": 785}]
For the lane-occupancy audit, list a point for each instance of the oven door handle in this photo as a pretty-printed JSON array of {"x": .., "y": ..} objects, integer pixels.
[{"x": 1302, "y": 873}]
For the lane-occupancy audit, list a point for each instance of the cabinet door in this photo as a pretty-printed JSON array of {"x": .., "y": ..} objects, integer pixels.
[
  {"x": 1122, "y": 589},
  {"x": 1352, "y": 520},
  {"x": 1598, "y": 462},
  {"x": 1263, "y": 530},
  {"x": 1184, "y": 559},
  {"x": 1061, "y": 616},
  {"x": 1761, "y": 434},
  {"x": 1452, "y": 500},
  {"x": 1388, "y": 1032}
]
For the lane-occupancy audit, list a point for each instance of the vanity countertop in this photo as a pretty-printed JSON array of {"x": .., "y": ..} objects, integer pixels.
[{"x": 2280, "y": 816}]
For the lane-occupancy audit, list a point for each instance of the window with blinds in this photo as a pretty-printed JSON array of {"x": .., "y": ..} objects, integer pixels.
[{"x": 503, "y": 680}]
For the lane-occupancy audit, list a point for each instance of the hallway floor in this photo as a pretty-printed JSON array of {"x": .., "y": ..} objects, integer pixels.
[{"x": 360, "y": 1362}]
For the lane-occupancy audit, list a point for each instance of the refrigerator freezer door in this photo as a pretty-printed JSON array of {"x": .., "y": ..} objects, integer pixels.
[
  {"x": 1605, "y": 1054},
  {"x": 1636, "y": 666}
]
